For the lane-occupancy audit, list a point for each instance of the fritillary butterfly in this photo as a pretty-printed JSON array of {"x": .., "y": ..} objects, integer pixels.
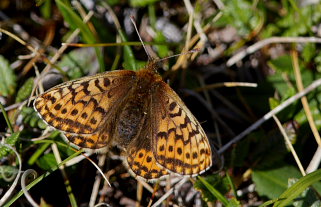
[{"x": 136, "y": 110}]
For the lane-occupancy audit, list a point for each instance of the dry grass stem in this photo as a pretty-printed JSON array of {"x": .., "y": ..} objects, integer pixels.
[
  {"x": 289, "y": 144},
  {"x": 139, "y": 194},
  {"x": 78, "y": 159},
  {"x": 98, "y": 168},
  {"x": 251, "y": 49},
  {"x": 47, "y": 42},
  {"x": 146, "y": 185},
  {"x": 14, "y": 106},
  {"x": 168, "y": 193},
  {"x": 315, "y": 161},
  {"x": 196, "y": 21},
  {"x": 181, "y": 61},
  {"x": 168, "y": 187},
  {"x": 95, "y": 189},
  {"x": 225, "y": 84},
  {"x": 304, "y": 99}
]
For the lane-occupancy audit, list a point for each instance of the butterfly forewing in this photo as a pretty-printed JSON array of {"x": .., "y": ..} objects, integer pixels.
[
  {"x": 179, "y": 144},
  {"x": 81, "y": 106}
]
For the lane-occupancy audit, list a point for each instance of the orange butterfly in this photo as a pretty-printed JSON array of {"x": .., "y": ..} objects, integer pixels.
[{"x": 136, "y": 110}]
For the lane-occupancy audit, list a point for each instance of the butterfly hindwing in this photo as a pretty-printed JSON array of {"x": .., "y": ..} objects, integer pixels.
[
  {"x": 141, "y": 160},
  {"x": 81, "y": 106},
  {"x": 97, "y": 140},
  {"x": 179, "y": 143}
]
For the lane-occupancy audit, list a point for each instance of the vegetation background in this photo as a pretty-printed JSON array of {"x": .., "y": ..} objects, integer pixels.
[{"x": 253, "y": 56}]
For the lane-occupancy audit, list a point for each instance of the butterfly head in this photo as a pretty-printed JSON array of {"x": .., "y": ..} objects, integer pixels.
[{"x": 153, "y": 65}]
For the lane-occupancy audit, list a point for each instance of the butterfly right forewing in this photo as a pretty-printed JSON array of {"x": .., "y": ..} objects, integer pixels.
[
  {"x": 179, "y": 143},
  {"x": 81, "y": 106}
]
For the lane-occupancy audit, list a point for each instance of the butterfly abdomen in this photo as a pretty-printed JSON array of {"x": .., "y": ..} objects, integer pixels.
[
  {"x": 129, "y": 122},
  {"x": 133, "y": 113}
]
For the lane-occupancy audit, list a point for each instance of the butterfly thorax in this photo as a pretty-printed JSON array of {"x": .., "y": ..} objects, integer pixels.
[{"x": 135, "y": 109}]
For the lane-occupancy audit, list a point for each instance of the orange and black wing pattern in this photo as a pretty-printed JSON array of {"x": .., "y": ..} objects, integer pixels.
[
  {"x": 81, "y": 108},
  {"x": 179, "y": 143}
]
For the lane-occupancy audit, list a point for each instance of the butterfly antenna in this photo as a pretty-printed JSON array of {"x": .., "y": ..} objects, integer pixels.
[
  {"x": 132, "y": 18},
  {"x": 183, "y": 53}
]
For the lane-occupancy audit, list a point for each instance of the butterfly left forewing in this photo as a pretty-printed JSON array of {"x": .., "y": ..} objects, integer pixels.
[
  {"x": 179, "y": 143},
  {"x": 81, "y": 106}
]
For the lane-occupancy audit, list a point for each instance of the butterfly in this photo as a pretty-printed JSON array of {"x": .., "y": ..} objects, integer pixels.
[{"x": 135, "y": 110}]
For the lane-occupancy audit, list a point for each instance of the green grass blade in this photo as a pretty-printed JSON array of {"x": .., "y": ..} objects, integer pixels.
[
  {"x": 295, "y": 190},
  {"x": 38, "y": 153},
  {"x": 217, "y": 194}
]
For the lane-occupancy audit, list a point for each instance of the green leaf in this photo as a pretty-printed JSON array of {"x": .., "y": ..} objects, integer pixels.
[
  {"x": 7, "y": 78},
  {"x": 307, "y": 198},
  {"x": 295, "y": 190},
  {"x": 309, "y": 51},
  {"x": 272, "y": 183},
  {"x": 25, "y": 90},
  {"x": 41, "y": 124},
  {"x": 282, "y": 63},
  {"x": 4, "y": 151},
  {"x": 47, "y": 162},
  {"x": 273, "y": 103},
  {"x": 239, "y": 154},
  {"x": 233, "y": 14},
  {"x": 294, "y": 21}
]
